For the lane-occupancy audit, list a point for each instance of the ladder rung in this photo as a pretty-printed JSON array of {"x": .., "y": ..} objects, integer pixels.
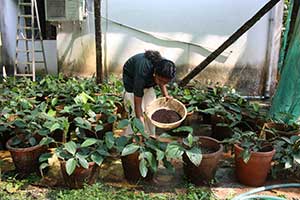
[
  {"x": 27, "y": 51},
  {"x": 24, "y": 39},
  {"x": 23, "y": 74},
  {"x": 25, "y": 16},
  {"x": 23, "y": 63},
  {"x": 27, "y": 27},
  {"x": 39, "y": 61},
  {"x": 24, "y": 4}
]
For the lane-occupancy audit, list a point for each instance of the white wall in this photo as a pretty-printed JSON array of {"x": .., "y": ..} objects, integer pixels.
[
  {"x": 184, "y": 31},
  {"x": 8, "y": 27}
]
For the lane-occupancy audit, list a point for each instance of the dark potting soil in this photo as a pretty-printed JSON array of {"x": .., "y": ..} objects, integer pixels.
[{"x": 165, "y": 116}]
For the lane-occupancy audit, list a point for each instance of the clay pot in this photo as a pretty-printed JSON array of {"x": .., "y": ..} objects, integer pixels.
[
  {"x": 205, "y": 172},
  {"x": 80, "y": 176},
  {"x": 130, "y": 164},
  {"x": 219, "y": 132},
  {"x": 26, "y": 160},
  {"x": 255, "y": 171}
]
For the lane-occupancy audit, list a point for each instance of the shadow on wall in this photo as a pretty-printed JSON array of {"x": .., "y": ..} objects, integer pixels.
[{"x": 153, "y": 40}]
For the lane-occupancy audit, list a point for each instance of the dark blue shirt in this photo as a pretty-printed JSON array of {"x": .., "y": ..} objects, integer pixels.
[{"x": 138, "y": 74}]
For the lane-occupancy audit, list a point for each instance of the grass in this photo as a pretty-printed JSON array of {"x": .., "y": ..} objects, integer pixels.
[{"x": 13, "y": 189}]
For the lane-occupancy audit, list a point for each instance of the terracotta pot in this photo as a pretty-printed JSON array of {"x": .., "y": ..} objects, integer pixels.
[
  {"x": 205, "y": 172},
  {"x": 219, "y": 132},
  {"x": 80, "y": 176},
  {"x": 255, "y": 171},
  {"x": 131, "y": 169},
  {"x": 26, "y": 160}
]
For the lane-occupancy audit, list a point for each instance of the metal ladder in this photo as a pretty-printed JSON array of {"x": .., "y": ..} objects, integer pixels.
[{"x": 28, "y": 33}]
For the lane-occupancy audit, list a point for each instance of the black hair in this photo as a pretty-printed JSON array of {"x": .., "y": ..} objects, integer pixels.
[
  {"x": 166, "y": 68},
  {"x": 162, "y": 67},
  {"x": 153, "y": 56}
]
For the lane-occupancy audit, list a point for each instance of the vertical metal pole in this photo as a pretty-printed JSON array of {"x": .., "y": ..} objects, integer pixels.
[{"x": 32, "y": 40}]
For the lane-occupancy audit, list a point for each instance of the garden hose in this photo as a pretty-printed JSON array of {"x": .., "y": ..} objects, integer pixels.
[
  {"x": 261, "y": 197},
  {"x": 248, "y": 195}
]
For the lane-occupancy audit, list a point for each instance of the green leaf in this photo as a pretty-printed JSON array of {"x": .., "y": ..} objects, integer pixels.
[
  {"x": 159, "y": 154},
  {"x": 194, "y": 155},
  {"x": 174, "y": 151},
  {"x": 183, "y": 129},
  {"x": 51, "y": 113},
  {"x": 46, "y": 141},
  {"x": 151, "y": 160},
  {"x": 102, "y": 152},
  {"x": 32, "y": 141},
  {"x": 143, "y": 168},
  {"x": 246, "y": 154},
  {"x": 43, "y": 166},
  {"x": 44, "y": 157},
  {"x": 82, "y": 123},
  {"x": 288, "y": 164},
  {"x": 130, "y": 149},
  {"x": 111, "y": 119},
  {"x": 70, "y": 166},
  {"x": 121, "y": 141},
  {"x": 167, "y": 136},
  {"x": 297, "y": 158},
  {"x": 255, "y": 107},
  {"x": 20, "y": 123},
  {"x": 109, "y": 139},
  {"x": 71, "y": 147},
  {"x": 89, "y": 142},
  {"x": 123, "y": 123},
  {"x": 83, "y": 98},
  {"x": 55, "y": 126},
  {"x": 97, "y": 158},
  {"x": 54, "y": 101},
  {"x": 83, "y": 162},
  {"x": 168, "y": 165},
  {"x": 137, "y": 126},
  {"x": 188, "y": 140},
  {"x": 99, "y": 127}
]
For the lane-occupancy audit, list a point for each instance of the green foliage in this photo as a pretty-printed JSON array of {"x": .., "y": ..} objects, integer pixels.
[
  {"x": 287, "y": 156},
  {"x": 249, "y": 141},
  {"x": 190, "y": 146},
  {"x": 79, "y": 154},
  {"x": 150, "y": 149}
]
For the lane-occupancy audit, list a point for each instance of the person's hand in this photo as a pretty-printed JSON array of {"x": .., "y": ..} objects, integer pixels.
[{"x": 169, "y": 97}]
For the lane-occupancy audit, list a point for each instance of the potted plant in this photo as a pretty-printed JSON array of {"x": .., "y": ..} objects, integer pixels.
[
  {"x": 80, "y": 159},
  {"x": 281, "y": 125},
  {"x": 140, "y": 153},
  {"x": 222, "y": 121},
  {"x": 200, "y": 155},
  {"x": 30, "y": 139},
  {"x": 253, "y": 156},
  {"x": 286, "y": 159}
]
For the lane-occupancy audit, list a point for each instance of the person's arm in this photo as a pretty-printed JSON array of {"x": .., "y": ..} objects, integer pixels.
[
  {"x": 138, "y": 108},
  {"x": 164, "y": 91}
]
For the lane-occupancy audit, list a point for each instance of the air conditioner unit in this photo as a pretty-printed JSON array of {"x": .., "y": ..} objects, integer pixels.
[{"x": 64, "y": 10}]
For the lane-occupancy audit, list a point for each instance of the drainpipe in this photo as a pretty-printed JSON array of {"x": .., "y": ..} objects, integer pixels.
[{"x": 268, "y": 65}]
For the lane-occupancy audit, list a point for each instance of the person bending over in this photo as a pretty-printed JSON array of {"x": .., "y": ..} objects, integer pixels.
[{"x": 141, "y": 73}]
